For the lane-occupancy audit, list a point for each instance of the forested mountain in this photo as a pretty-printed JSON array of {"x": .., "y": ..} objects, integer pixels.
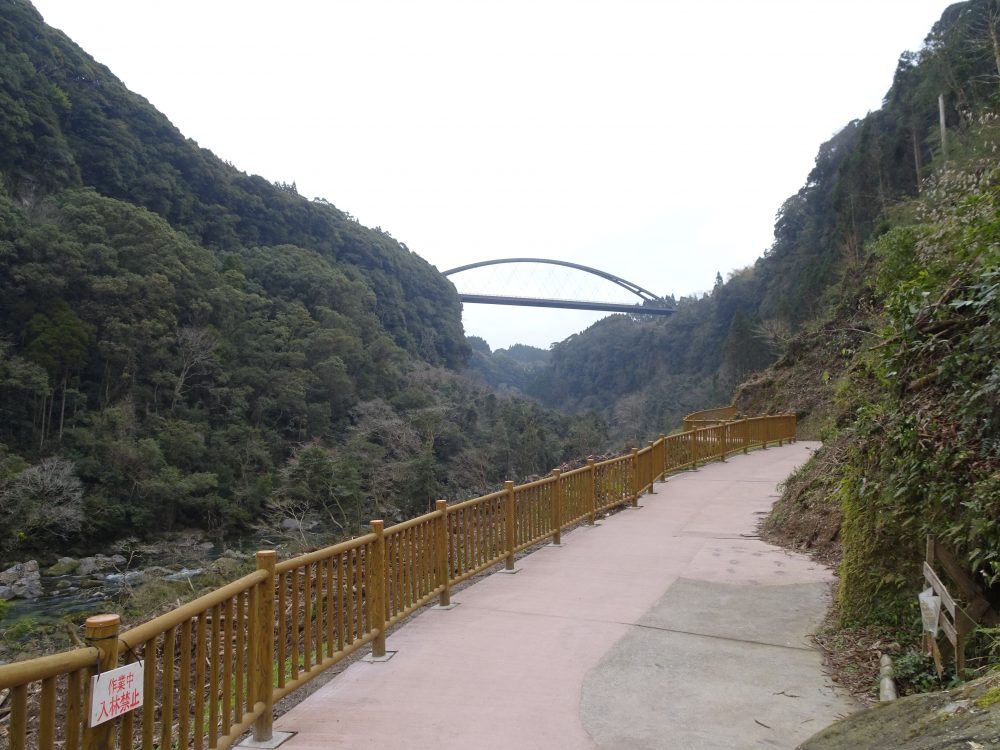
[
  {"x": 185, "y": 344},
  {"x": 512, "y": 368},
  {"x": 712, "y": 343}
]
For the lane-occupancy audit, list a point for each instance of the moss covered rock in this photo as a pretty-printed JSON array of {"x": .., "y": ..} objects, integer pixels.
[{"x": 966, "y": 717}]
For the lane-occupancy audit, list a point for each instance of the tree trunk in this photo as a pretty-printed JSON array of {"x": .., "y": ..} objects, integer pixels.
[
  {"x": 917, "y": 166},
  {"x": 52, "y": 403},
  {"x": 991, "y": 24},
  {"x": 41, "y": 423},
  {"x": 62, "y": 410}
]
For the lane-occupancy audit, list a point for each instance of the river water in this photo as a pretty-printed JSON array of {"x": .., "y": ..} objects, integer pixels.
[{"x": 180, "y": 557}]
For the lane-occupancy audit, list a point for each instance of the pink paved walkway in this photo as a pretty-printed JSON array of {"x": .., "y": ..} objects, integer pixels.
[{"x": 664, "y": 626}]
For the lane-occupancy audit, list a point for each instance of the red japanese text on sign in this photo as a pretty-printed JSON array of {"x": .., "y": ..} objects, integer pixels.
[{"x": 115, "y": 692}]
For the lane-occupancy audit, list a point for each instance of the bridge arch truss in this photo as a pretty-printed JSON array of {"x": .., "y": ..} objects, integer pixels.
[{"x": 650, "y": 303}]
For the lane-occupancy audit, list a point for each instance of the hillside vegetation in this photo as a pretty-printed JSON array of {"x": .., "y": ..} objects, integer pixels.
[
  {"x": 183, "y": 344},
  {"x": 899, "y": 372}
]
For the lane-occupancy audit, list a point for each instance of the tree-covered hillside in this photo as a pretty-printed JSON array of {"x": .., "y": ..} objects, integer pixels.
[
  {"x": 66, "y": 122},
  {"x": 182, "y": 344}
]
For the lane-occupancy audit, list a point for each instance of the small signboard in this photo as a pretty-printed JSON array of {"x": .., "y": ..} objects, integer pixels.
[{"x": 115, "y": 692}]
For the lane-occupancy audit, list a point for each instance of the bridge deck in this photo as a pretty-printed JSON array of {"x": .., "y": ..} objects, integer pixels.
[{"x": 668, "y": 626}]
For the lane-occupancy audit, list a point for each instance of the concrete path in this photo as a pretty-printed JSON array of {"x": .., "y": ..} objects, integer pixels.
[{"x": 668, "y": 626}]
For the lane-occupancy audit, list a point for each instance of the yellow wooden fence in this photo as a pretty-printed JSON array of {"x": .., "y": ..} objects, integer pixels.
[
  {"x": 710, "y": 417},
  {"x": 213, "y": 668}
]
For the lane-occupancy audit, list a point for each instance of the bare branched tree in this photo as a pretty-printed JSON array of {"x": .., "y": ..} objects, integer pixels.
[{"x": 195, "y": 347}]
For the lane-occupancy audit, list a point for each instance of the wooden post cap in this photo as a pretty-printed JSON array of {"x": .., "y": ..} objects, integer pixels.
[{"x": 103, "y": 621}]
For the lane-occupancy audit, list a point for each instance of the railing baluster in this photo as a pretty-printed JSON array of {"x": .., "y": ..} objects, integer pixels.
[
  {"x": 19, "y": 717},
  {"x": 343, "y": 600},
  {"x": 307, "y": 608},
  {"x": 294, "y": 623},
  {"x": 282, "y": 617},
  {"x": 228, "y": 614},
  {"x": 167, "y": 715},
  {"x": 47, "y": 714},
  {"x": 213, "y": 678},
  {"x": 332, "y": 600},
  {"x": 74, "y": 708},
  {"x": 240, "y": 674},
  {"x": 184, "y": 688},
  {"x": 199, "y": 684},
  {"x": 350, "y": 561}
]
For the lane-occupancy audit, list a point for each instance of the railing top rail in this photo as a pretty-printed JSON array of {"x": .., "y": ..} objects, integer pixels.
[
  {"x": 575, "y": 472},
  {"x": 149, "y": 630},
  {"x": 21, "y": 672},
  {"x": 402, "y": 526},
  {"x": 615, "y": 460},
  {"x": 719, "y": 412},
  {"x": 536, "y": 483},
  {"x": 322, "y": 554},
  {"x": 477, "y": 500}
]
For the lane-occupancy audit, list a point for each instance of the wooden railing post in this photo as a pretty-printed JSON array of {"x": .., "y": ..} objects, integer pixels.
[
  {"x": 635, "y": 477},
  {"x": 508, "y": 502},
  {"x": 264, "y": 645},
  {"x": 376, "y": 589},
  {"x": 592, "y": 492},
  {"x": 444, "y": 570},
  {"x": 662, "y": 463},
  {"x": 102, "y": 632},
  {"x": 650, "y": 472},
  {"x": 556, "y": 508},
  {"x": 694, "y": 449},
  {"x": 927, "y": 640}
]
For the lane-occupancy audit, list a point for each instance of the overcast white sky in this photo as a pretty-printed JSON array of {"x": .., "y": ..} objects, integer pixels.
[{"x": 652, "y": 140}]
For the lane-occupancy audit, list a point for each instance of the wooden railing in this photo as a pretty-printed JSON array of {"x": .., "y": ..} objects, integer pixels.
[
  {"x": 710, "y": 417},
  {"x": 213, "y": 668}
]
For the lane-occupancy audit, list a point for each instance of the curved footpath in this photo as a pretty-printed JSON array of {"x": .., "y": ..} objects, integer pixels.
[{"x": 667, "y": 626}]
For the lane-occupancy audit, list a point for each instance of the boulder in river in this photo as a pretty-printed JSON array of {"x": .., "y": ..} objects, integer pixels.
[
  {"x": 99, "y": 563},
  {"x": 21, "y": 581},
  {"x": 64, "y": 566}
]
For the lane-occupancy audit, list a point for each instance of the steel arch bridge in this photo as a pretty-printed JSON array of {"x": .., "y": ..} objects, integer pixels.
[{"x": 649, "y": 304}]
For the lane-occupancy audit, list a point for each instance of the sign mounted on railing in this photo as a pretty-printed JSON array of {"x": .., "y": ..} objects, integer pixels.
[{"x": 115, "y": 692}]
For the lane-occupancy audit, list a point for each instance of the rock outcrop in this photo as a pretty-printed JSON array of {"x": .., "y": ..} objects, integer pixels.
[{"x": 967, "y": 717}]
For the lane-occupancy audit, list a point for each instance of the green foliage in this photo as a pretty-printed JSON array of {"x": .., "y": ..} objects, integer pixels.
[
  {"x": 915, "y": 672},
  {"x": 929, "y": 446}
]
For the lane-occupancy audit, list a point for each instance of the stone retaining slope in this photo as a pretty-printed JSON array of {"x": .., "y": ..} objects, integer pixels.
[{"x": 667, "y": 626}]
